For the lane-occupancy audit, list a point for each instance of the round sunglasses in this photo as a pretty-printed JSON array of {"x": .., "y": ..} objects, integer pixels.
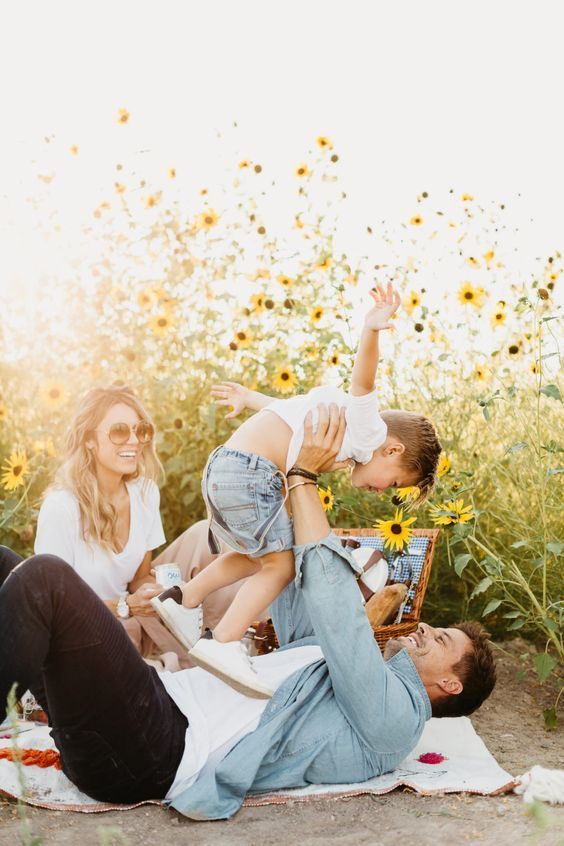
[{"x": 119, "y": 433}]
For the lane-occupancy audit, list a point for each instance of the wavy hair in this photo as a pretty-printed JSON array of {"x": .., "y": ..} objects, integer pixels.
[{"x": 77, "y": 474}]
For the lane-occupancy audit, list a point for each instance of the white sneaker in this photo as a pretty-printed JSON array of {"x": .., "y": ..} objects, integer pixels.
[
  {"x": 230, "y": 662},
  {"x": 184, "y": 623}
]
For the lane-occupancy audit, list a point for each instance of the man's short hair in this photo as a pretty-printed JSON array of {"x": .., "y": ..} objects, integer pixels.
[{"x": 476, "y": 671}]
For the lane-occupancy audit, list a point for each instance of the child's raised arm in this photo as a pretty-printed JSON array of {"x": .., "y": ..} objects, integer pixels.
[
  {"x": 386, "y": 303},
  {"x": 231, "y": 393}
]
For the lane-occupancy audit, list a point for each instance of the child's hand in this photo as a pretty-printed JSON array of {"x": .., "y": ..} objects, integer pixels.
[
  {"x": 231, "y": 393},
  {"x": 386, "y": 303}
]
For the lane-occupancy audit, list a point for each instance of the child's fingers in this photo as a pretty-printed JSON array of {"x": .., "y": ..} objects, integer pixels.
[
  {"x": 231, "y": 414},
  {"x": 222, "y": 402}
]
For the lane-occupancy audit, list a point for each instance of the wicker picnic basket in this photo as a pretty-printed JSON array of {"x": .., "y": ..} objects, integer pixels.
[{"x": 265, "y": 637}]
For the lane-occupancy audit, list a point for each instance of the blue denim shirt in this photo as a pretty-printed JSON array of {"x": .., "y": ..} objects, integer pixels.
[{"x": 342, "y": 719}]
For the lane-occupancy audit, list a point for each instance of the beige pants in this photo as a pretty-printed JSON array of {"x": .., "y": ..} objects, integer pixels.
[{"x": 190, "y": 551}]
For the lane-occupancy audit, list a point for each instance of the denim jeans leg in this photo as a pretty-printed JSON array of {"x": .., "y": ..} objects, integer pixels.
[{"x": 120, "y": 736}]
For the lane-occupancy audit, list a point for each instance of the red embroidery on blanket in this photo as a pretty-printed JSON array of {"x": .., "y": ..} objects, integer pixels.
[
  {"x": 431, "y": 758},
  {"x": 34, "y": 757}
]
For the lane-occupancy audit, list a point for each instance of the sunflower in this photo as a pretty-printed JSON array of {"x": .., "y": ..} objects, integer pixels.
[
  {"x": 444, "y": 465},
  {"x": 411, "y": 302},
  {"x": 302, "y": 170},
  {"x": 161, "y": 325},
  {"x": 326, "y": 498},
  {"x": 3, "y": 412},
  {"x": 489, "y": 257},
  {"x": 244, "y": 163},
  {"x": 260, "y": 273},
  {"x": 53, "y": 394},
  {"x": 472, "y": 261},
  {"x": 258, "y": 302},
  {"x": 333, "y": 359},
  {"x": 316, "y": 314},
  {"x": 498, "y": 317},
  {"x": 453, "y": 511},
  {"x": 352, "y": 279},
  {"x": 467, "y": 198},
  {"x": 481, "y": 373},
  {"x": 207, "y": 219},
  {"x": 298, "y": 223},
  {"x": 534, "y": 370},
  {"x": 324, "y": 265},
  {"x": 123, "y": 116},
  {"x": 243, "y": 339},
  {"x": 73, "y": 149},
  {"x": 396, "y": 532},
  {"x": 468, "y": 294},
  {"x": 171, "y": 173},
  {"x": 284, "y": 380},
  {"x": 14, "y": 470},
  {"x": 410, "y": 493},
  {"x": 120, "y": 187},
  {"x": 152, "y": 200},
  {"x": 286, "y": 281},
  {"x": 416, "y": 220},
  {"x": 324, "y": 143},
  {"x": 146, "y": 298}
]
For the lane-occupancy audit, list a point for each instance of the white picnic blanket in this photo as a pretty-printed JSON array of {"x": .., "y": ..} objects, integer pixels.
[{"x": 457, "y": 761}]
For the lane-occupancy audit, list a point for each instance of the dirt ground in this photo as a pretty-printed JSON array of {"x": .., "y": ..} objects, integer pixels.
[{"x": 510, "y": 724}]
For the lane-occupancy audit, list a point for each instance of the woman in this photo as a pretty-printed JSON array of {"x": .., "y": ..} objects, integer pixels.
[{"x": 101, "y": 516}]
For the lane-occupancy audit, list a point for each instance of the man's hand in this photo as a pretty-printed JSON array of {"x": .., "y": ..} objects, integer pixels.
[
  {"x": 386, "y": 303},
  {"x": 233, "y": 394},
  {"x": 319, "y": 448}
]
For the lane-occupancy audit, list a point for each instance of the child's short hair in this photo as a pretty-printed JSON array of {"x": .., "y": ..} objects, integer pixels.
[{"x": 422, "y": 447}]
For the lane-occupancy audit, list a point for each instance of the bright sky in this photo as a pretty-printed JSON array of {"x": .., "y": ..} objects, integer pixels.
[{"x": 415, "y": 96}]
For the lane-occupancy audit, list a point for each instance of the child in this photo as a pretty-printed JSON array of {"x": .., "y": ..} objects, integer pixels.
[{"x": 245, "y": 486}]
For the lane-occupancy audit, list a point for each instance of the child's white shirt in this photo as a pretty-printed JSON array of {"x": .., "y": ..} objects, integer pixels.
[{"x": 365, "y": 432}]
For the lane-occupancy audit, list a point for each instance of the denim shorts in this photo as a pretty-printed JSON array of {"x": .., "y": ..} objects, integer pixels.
[{"x": 243, "y": 493}]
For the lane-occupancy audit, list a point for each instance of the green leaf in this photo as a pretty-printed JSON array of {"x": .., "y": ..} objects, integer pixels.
[
  {"x": 554, "y": 471},
  {"x": 555, "y": 547},
  {"x": 550, "y": 624},
  {"x": 486, "y": 414},
  {"x": 515, "y": 448},
  {"x": 491, "y": 606},
  {"x": 518, "y": 624},
  {"x": 551, "y": 391},
  {"x": 544, "y": 665},
  {"x": 460, "y": 562},
  {"x": 483, "y": 585},
  {"x": 518, "y": 544},
  {"x": 520, "y": 675},
  {"x": 512, "y": 614},
  {"x": 550, "y": 718}
]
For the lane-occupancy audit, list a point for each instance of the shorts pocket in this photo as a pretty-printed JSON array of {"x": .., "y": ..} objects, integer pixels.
[{"x": 236, "y": 503}]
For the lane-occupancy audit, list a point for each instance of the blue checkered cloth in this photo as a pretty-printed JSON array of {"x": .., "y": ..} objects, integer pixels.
[{"x": 401, "y": 567}]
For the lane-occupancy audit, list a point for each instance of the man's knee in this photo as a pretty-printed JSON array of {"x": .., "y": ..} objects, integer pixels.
[{"x": 46, "y": 566}]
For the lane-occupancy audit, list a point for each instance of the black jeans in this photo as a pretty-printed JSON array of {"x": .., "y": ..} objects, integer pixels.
[{"x": 120, "y": 735}]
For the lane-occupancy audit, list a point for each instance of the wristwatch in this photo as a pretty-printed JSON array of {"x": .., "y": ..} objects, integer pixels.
[{"x": 123, "y": 609}]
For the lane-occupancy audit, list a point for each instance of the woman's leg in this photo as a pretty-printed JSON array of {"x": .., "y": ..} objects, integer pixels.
[
  {"x": 120, "y": 736},
  {"x": 276, "y": 571},
  {"x": 8, "y": 560}
]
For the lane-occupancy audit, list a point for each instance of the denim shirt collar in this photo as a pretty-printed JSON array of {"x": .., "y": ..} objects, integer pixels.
[{"x": 402, "y": 665}]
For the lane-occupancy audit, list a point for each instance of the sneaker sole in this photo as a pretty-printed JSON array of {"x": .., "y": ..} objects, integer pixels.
[
  {"x": 259, "y": 692},
  {"x": 170, "y": 624}
]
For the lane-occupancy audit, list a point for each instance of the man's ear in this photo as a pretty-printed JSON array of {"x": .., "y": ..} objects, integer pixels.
[{"x": 452, "y": 686}]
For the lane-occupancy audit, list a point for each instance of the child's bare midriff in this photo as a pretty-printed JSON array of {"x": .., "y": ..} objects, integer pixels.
[{"x": 267, "y": 436}]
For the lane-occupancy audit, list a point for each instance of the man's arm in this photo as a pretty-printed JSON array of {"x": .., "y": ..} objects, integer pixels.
[
  {"x": 386, "y": 303},
  {"x": 239, "y": 397}
]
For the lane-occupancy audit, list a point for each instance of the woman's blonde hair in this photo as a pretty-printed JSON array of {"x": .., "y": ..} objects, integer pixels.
[{"x": 98, "y": 517}]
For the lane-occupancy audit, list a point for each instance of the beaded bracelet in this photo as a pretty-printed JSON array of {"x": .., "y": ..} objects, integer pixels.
[{"x": 299, "y": 471}]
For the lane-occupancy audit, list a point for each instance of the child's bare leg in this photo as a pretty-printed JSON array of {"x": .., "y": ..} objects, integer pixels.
[
  {"x": 276, "y": 571},
  {"x": 225, "y": 570}
]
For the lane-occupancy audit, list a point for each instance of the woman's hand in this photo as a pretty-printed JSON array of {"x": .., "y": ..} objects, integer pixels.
[
  {"x": 320, "y": 448},
  {"x": 140, "y": 601}
]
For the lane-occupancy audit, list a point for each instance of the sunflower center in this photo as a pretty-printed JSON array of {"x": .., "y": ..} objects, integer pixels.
[
  {"x": 54, "y": 393},
  {"x": 468, "y": 295},
  {"x": 284, "y": 376},
  {"x": 241, "y": 336},
  {"x": 17, "y": 469},
  {"x": 326, "y": 500},
  {"x": 395, "y": 528}
]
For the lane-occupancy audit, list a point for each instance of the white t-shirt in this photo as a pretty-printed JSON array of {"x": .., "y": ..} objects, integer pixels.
[
  {"x": 365, "y": 432},
  {"x": 220, "y": 716},
  {"x": 108, "y": 573}
]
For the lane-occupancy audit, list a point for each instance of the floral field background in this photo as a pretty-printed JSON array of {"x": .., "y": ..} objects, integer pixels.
[{"x": 173, "y": 296}]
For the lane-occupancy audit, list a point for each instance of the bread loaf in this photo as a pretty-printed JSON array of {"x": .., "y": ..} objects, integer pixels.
[{"x": 381, "y": 608}]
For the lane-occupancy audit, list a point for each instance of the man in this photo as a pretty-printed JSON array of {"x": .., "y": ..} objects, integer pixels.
[{"x": 340, "y": 713}]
